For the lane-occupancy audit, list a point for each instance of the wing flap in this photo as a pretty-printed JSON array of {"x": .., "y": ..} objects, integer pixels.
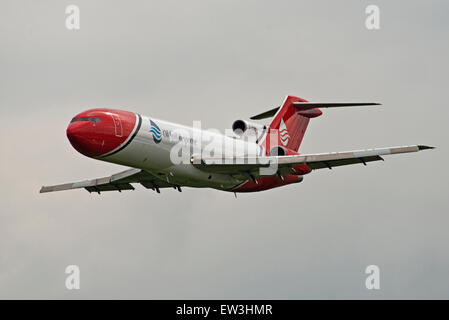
[
  {"x": 342, "y": 162},
  {"x": 110, "y": 187}
]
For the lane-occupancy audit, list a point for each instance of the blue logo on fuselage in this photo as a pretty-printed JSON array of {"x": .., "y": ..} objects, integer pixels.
[{"x": 156, "y": 131}]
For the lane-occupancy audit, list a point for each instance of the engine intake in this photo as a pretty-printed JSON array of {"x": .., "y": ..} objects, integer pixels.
[
  {"x": 249, "y": 129},
  {"x": 278, "y": 151}
]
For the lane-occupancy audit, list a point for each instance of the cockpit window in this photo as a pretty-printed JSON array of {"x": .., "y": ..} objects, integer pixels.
[{"x": 92, "y": 119}]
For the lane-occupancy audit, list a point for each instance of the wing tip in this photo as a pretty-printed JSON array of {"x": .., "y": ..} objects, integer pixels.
[
  {"x": 43, "y": 189},
  {"x": 423, "y": 147}
]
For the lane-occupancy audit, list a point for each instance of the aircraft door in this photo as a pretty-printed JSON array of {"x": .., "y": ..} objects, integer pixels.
[{"x": 118, "y": 126}]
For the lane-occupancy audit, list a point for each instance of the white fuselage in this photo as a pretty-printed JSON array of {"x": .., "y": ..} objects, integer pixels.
[{"x": 162, "y": 158}]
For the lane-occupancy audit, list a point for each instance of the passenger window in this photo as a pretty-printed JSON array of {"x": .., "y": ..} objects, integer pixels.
[
  {"x": 97, "y": 119},
  {"x": 74, "y": 120},
  {"x": 84, "y": 119}
]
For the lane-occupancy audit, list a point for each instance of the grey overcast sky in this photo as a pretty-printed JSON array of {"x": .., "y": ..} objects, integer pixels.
[{"x": 218, "y": 61}]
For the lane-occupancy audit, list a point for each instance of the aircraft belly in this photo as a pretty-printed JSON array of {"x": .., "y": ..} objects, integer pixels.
[{"x": 188, "y": 175}]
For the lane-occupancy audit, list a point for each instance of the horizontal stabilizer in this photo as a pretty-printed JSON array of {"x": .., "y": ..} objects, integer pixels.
[
  {"x": 300, "y": 106},
  {"x": 310, "y": 105},
  {"x": 266, "y": 114}
]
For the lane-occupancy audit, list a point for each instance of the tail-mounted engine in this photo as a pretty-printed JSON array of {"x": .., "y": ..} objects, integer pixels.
[{"x": 251, "y": 130}]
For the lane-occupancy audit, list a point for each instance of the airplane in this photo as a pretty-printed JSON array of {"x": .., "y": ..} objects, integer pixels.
[{"x": 261, "y": 158}]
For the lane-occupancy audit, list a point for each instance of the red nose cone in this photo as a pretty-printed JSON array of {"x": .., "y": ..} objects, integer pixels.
[
  {"x": 100, "y": 132},
  {"x": 85, "y": 138}
]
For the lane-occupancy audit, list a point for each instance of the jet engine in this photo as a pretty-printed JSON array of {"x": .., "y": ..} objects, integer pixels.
[{"x": 244, "y": 128}]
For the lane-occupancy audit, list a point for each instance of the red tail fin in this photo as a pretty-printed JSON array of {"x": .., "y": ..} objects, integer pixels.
[{"x": 288, "y": 126}]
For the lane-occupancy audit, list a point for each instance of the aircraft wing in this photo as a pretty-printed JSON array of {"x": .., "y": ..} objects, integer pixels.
[
  {"x": 117, "y": 182},
  {"x": 248, "y": 165}
]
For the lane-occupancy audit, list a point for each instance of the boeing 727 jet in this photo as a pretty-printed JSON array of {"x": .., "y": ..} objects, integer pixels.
[{"x": 161, "y": 154}]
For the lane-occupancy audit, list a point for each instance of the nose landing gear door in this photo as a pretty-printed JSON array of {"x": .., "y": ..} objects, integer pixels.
[{"x": 117, "y": 126}]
